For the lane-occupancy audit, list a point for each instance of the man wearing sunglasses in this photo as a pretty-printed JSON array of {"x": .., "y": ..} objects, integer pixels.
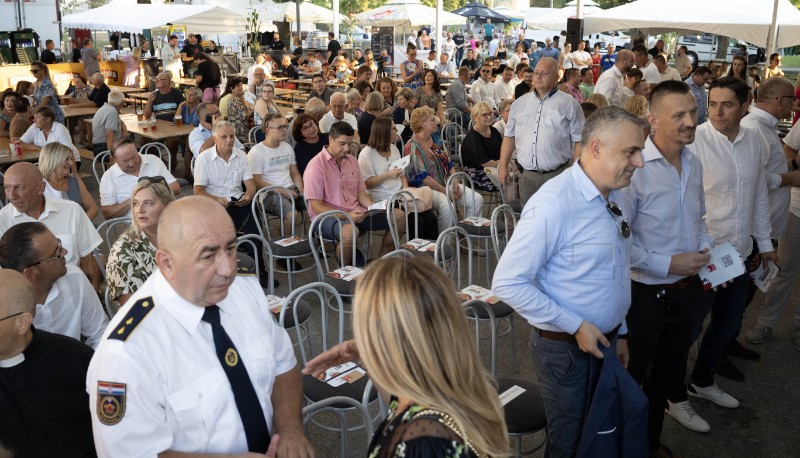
[
  {"x": 117, "y": 183},
  {"x": 200, "y": 139},
  {"x": 566, "y": 270},
  {"x": 665, "y": 204},
  {"x": 482, "y": 89},
  {"x": 24, "y": 188},
  {"x": 66, "y": 302},
  {"x": 40, "y": 372}
]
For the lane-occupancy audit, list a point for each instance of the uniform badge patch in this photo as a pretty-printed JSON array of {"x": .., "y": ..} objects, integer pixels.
[
  {"x": 110, "y": 402},
  {"x": 231, "y": 357}
]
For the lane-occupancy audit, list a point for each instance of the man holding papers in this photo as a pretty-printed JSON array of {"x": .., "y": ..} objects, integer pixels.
[{"x": 737, "y": 203}]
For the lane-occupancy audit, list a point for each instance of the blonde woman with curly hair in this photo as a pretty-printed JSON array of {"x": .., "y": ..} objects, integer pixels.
[
  {"x": 412, "y": 337},
  {"x": 599, "y": 100},
  {"x": 637, "y": 106}
]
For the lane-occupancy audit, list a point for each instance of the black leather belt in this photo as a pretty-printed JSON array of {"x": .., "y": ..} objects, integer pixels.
[
  {"x": 541, "y": 172},
  {"x": 566, "y": 337}
]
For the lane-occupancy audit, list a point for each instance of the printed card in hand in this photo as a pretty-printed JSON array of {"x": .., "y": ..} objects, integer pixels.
[
  {"x": 476, "y": 221},
  {"x": 288, "y": 241},
  {"x": 347, "y": 273},
  {"x": 378, "y": 206},
  {"x": 343, "y": 373},
  {"x": 275, "y": 304},
  {"x": 401, "y": 163},
  {"x": 419, "y": 245},
  {"x": 726, "y": 264},
  {"x": 762, "y": 277},
  {"x": 479, "y": 293}
]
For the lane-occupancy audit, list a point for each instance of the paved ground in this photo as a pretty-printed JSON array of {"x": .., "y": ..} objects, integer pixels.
[{"x": 766, "y": 425}]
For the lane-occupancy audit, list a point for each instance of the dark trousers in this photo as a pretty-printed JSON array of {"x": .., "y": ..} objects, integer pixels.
[
  {"x": 727, "y": 310},
  {"x": 661, "y": 333},
  {"x": 459, "y": 56},
  {"x": 243, "y": 220}
]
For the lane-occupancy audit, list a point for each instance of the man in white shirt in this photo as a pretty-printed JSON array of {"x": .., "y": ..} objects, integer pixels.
[
  {"x": 219, "y": 173},
  {"x": 430, "y": 63},
  {"x": 493, "y": 45},
  {"x": 580, "y": 58},
  {"x": 449, "y": 46},
  {"x": 737, "y": 206},
  {"x": 272, "y": 163},
  {"x": 46, "y": 130},
  {"x": 643, "y": 63},
  {"x": 171, "y": 57},
  {"x": 118, "y": 181},
  {"x": 200, "y": 139},
  {"x": 194, "y": 362},
  {"x": 482, "y": 89},
  {"x": 775, "y": 102},
  {"x": 665, "y": 72},
  {"x": 312, "y": 64},
  {"x": 611, "y": 82},
  {"x": 24, "y": 187},
  {"x": 337, "y": 113},
  {"x": 66, "y": 302},
  {"x": 503, "y": 86},
  {"x": 446, "y": 66}
]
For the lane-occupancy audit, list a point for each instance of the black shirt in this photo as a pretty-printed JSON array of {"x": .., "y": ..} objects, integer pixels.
[
  {"x": 304, "y": 151},
  {"x": 44, "y": 406},
  {"x": 365, "y": 126},
  {"x": 99, "y": 95},
  {"x": 48, "y": 57},
  {"x": 290, "y": 72},
  {"x": 191, "y": 49},
  {"x": 477, "y": 149},
  {"x": 165, "y": 105},
  {"x": 76, "y": 55},
  {"x": 277, "y": 45},
  {"x": 333, "y": 47},
  {"x": 471, "y": 63},
  {"x": 521, "y": 89},
  {"x": 458, "y": 39},
  {"x": 209, "y": 70}
]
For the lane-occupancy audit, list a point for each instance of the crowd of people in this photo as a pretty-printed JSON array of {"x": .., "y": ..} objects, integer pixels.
[{"x": 629, "y": 171}]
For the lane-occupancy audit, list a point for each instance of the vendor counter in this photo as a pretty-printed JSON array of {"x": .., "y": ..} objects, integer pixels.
[{"x": 60, "y": 74}]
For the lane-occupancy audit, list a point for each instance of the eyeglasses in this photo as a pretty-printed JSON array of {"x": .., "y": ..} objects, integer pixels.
[
  {"x": 308, "y": 126},
  {"x": 153, "y": 180},
  {"x": 284, "y": 127},
  {"x": 616, "y": 212},
  {"x": 59, "y": 254},
  {"x": 12, "y": 316},
  {"x": 542, "y": 74},
  {"x": 485, "y": 71},
  {"x": 792, "y": 98}
]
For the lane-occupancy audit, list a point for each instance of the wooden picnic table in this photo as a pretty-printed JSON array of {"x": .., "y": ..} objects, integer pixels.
[
  {"x": 126, "y": 90},
  {"x": 164, "y": 129},
  {"x": 76, "y": 112},
  {"x": 8, "y": 158},
  {"x": 185, "y": 82}
]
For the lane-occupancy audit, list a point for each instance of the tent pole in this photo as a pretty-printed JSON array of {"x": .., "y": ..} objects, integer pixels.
[
  {"x": 438, "y": 36},
  {"x": 578, "y": 10},
  {"x": 299, "y": 39},
  {"x": 773, "y": 31},
  {"x": 335, "y": 7}
]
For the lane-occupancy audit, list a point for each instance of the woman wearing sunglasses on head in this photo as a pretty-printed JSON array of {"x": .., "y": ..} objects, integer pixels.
[{"x": 133, "y": 256}]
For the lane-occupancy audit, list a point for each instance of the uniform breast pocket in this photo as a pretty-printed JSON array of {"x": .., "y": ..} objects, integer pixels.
[
  {"x": 260, "y": 363},
  {"x": 200, "y": 404}
]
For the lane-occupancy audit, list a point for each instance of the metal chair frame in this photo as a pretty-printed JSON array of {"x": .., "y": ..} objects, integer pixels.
[
  {"x": 100, "y": 161},
  {"x": 104, "y": 230}
]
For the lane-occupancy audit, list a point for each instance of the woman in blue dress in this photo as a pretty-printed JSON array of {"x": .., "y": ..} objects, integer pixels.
[{"x": 44, "y": 92}]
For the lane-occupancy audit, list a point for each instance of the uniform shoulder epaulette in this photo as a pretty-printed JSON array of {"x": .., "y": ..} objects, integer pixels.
[
  {"x": 135, "y": 316},
  {"x": 245, "y": 265}
]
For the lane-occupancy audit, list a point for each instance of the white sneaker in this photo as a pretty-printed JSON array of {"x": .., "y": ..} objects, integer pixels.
[
  {"x": 714, "y": 394},
  {"x": 758, "y": 334},
  {"x": 684, "y": 413}
]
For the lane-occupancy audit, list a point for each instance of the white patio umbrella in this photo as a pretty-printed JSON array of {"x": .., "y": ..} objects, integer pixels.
[
  {"x": 309, "y": 12},
  {"x": 400, "y": 13}
]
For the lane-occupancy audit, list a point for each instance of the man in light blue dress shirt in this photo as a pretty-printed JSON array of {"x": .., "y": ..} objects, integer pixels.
[
  {"x": 666, "y": 206},
  {"x": 567, "y": 270}
]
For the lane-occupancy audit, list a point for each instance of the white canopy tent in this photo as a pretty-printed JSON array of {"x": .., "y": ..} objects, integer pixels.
[
  {"x": 510, "y": 13},
  {"x": 135, "y": 18},
  {"x": 557, "y": 20},
  {"x": 746, "y": 20},
  {"x": 405, "y": 13}
]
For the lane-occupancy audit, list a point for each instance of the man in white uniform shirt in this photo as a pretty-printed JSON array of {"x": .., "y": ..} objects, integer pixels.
[
  {"x": 171, "y": 57},
  {"x": 66, "y": 302},
  {"x": 737, "y": 206},
  {"x": 503, "y": 86},
  {"x": 665, "y": 72},
  {"x": 24, "y": 187},
  {"x": 194, "y": 362},
  {"x": 338, "y": 113},
  {"x": 544, "y": 127},
  {"x": 118, "y": 182},
  {"x": 272, "y": 163}
]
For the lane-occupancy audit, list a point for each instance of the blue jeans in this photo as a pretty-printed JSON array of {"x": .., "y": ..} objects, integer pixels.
[
  {"x": 563, "y": 370},
  {"x": 727, "y": 310}
]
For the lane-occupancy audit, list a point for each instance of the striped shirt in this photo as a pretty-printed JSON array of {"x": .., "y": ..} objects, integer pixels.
[{"x": 222, "y": 178}]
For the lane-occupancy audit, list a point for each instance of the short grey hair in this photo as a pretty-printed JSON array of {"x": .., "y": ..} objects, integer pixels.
[
  {"x": 116, "y": 98},
  {"x": 223, "y": 125},
  {"x": 605, "y": 120},
  {"x": 196, "y": 91},
  {"x": 167, "y": 73},
  {"x": 98, "y": 77}
]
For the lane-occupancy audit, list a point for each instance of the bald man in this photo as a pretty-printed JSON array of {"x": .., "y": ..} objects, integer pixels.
[
  {"x": 193, "y": 362},
  {"x": 43, "y": 401},
  {"x": 24, "y": 188}
]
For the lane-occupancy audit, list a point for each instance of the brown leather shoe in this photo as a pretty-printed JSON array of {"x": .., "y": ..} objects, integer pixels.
[{"x": 663, "y": 452}]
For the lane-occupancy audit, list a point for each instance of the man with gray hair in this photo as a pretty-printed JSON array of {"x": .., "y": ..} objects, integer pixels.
[
  {"x": 99, "y": 95},
  {"x": 545, "y": 129},
  {"x": 219, "y": 173},
  {"x": 106, "y": 125},
  {"x": 164, "y": 101},
  {"x": 566, "y": 270},
  {"x": 338, "y": 113}
]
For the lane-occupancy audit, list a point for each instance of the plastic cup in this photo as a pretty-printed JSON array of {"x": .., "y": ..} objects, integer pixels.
[
  {"x": 140, "y": 117},
  {"x": 153, "y": 126},
  {"x": 144, "y": 125},
  {"x": 179, "y": 120}
]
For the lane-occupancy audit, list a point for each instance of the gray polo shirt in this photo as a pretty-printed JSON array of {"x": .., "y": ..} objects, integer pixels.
[{"x": 106, "y": 118}]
